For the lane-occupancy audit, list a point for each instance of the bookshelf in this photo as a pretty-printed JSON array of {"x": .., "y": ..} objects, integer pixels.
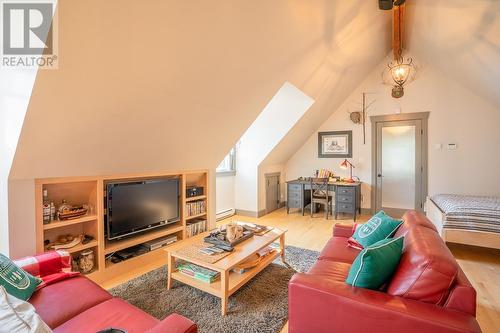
[{"x": 91, "y": 191}]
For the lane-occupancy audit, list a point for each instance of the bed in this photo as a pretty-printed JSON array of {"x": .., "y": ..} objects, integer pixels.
[{"x": 466, "y": 219}]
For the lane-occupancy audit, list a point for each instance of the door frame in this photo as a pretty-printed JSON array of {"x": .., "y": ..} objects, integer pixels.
[
  {"x": 269, "y": 175},
  {"x": 375, "y": 120}
]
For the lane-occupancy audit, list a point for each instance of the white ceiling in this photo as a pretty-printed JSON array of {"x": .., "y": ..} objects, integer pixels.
[
  {"x": 461, "y": 38},
  {"x": 162, "y": 85},
  {"x": 167, "y": 85}
]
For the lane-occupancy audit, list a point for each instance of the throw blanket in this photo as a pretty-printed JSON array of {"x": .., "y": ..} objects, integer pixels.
[
  {"x": 51, "y": 266},
  {"x": 468, "y": 212}
]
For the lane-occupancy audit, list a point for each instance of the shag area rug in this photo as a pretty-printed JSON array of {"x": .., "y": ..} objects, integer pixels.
[{"x": 259, "y": 306}]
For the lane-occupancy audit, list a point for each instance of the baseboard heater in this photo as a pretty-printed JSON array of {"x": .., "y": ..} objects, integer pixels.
[{"x": 225, "y": 214}]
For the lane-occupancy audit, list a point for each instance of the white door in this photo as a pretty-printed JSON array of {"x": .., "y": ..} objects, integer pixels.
[{"x": 399, "y": 166}]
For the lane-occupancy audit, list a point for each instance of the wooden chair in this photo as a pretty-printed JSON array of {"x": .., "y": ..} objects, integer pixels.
[{"x": 320, "y": 195}]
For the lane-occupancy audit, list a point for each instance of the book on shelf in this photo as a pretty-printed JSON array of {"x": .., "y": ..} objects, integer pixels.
[
  {"x": 198, "y": 272},
  {"x": 196, "y": 207},
  {"x": 195, "y": 227}
]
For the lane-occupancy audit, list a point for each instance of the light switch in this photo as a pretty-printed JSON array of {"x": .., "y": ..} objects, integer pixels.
[
  {"x": 438, "y": 146},
  {"x": 452, "y": 146}
]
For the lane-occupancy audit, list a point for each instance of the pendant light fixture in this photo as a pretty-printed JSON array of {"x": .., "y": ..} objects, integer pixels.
[{"x": 401, "y": 69}]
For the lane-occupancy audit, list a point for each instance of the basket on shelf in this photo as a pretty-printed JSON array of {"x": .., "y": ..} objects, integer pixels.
[{"x": 72, "y": 213}]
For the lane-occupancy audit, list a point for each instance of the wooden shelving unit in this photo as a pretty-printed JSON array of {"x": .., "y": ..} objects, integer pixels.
[
  {"x": 91, "y": 190},
  {"x": 195, "y": 216},
  {"x": 82, "y": 247},
  {"x": 199, "y": 197},
  {"x": 113, "y": 246},
  {"x": 59, "y": 224}
]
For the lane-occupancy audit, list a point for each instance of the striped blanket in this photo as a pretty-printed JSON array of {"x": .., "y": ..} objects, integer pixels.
[{"x": 468, "y": 212}]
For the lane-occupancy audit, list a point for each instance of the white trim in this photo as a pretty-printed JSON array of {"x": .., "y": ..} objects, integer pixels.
[{"x": 225, "y": 214}]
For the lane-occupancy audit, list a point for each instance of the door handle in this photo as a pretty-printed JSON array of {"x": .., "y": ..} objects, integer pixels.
[{"x": 379, "y": 175}]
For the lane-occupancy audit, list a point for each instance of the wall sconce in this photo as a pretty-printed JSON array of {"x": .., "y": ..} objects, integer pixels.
[{"x": 401, "y": 70}]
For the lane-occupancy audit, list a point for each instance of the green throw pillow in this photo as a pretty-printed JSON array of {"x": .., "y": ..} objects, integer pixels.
[
  {"x": 15, "y": 280},
  {"x": 380, "y": 226},
  {"x": 375, "y": 264}
]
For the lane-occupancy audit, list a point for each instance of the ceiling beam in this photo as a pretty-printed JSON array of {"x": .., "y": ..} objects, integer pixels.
[{"x": 398, "y": 30}]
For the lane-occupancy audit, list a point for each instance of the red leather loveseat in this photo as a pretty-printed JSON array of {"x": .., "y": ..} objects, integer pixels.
[
  {"x": 428, "y": 292},
  {"x": 79, "y": 305}
]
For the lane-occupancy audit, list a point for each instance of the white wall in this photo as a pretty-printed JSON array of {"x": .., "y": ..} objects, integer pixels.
[
  {"x": 273, "y": 123},
  {"x": 15, "y": 87},
  {"x": 224, "y": 193},
  {"x": 457, "y": 115}
]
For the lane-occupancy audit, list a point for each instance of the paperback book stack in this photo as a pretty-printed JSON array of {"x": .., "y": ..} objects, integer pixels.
[
  {"x": 196, "y": 207},
  {"x": 195, "y": 227},
  {"x": 198, "y": 272}
]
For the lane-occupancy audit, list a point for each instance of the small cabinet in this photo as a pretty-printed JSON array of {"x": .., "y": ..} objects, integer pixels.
[
  {"x": 347, "y": 199},
  {"x": 297, "y": 197}
]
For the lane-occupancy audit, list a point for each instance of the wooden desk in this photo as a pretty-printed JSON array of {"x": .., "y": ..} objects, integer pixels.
[{"x": 347, "y": 196}]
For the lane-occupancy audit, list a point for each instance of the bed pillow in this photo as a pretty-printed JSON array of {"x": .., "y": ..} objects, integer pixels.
[
  {"x": 15, "y": 280},
  {"x": 19, "y": 316},
  {"x": 375, "y": 265},
  {"x": 379, "y": 227}
]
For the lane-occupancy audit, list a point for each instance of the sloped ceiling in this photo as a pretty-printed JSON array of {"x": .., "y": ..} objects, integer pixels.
[
  {"x": 163, "y": 85},
  {"x": 460, "y": 38}
]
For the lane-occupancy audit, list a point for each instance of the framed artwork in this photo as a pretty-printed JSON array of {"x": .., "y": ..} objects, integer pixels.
[{"x": 335, "y": 144}]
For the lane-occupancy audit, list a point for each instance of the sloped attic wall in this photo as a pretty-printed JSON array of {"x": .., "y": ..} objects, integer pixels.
[
  {"x": 461, "y": 38},
  {"x": 457, "y": 115},
  {"x": 162, "y": 85}
]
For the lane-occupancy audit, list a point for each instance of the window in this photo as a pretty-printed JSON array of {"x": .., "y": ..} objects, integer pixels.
[{"x": 228, "y": 164}]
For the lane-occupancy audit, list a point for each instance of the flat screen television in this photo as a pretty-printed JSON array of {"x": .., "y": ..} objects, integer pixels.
[{"x": 135, "y": 207}]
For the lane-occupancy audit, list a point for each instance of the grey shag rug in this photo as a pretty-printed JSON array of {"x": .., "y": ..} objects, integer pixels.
[{"x": 260, "y": 306}]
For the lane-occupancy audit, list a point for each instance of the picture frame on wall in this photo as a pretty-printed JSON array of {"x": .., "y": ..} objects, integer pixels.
[{"x": 335, "y": 144}]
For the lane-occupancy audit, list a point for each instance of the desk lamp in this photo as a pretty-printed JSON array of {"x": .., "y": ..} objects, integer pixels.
[{"x": 345, "y": 165}]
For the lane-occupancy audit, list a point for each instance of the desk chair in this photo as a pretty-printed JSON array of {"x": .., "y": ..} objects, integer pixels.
[{"x": 320, "y": 195}]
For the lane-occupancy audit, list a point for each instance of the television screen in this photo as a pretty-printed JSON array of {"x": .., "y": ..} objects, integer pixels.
[{"x": 139, "y": 206}]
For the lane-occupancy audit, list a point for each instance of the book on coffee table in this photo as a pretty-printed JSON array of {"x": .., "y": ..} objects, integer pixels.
[{"x": 198, "y": 272}]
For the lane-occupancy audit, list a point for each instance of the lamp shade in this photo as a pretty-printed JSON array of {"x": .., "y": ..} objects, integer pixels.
[{"x": 344, "y": 164}]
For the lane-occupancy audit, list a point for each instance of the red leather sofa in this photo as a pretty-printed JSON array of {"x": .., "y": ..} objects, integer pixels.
[
  {"x": 428, "y": 292},
  {"x": 79, "y": 305}
]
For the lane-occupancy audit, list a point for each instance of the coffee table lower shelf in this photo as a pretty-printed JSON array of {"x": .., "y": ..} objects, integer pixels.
[
  {"x": 233, "y": 280},
  {"x": 236, "y": 280},
  {"x": 229, "y": 281}
]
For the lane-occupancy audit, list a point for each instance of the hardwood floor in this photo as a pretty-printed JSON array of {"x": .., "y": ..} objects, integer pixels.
[{"x": 482, "y": 266}]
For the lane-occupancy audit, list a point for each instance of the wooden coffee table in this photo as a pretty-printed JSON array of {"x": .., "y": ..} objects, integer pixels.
[{"x": 229, "y": 281}]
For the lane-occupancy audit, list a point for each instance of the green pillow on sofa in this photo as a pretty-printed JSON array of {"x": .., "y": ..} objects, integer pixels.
[
  {"x": 375, "y": 264},
  {"x": 15, "y": 280},
  {"x": 380, "y": 226}
]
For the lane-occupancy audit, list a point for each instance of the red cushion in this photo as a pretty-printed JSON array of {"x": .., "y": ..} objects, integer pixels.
[
  {"x": 61, "y": 301},
  {"x": 336, "y": 271},
  {"x": 462, "y": 295},
  {"x": 337, "y": 249},
  {"x": 426, "y": 270},
  {"x": 411, "y": 219},
  {"x": 114, "y": 313},
  {"x": 175, "y": 324}
]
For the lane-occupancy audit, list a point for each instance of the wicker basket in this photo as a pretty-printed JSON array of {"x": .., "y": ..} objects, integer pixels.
[{"x": 72, "y": 214}]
